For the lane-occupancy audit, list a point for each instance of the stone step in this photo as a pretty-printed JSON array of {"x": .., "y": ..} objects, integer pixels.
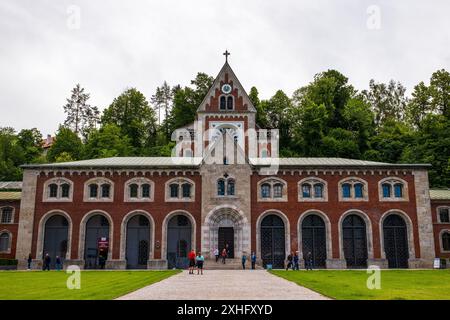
[{"x": 230, "y": 264}]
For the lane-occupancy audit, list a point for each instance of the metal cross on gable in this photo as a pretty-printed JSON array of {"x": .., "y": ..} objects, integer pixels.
[{"x": 226, "y": 54}]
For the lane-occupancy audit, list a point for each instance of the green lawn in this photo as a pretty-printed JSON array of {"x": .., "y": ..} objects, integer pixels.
[
  {"x": 395, "y": 284},
  {"x": 95, "y": 285}
]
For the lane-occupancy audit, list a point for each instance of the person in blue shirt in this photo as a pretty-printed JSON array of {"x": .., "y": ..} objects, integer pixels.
[
  {"x": 253, "y": 259},
  {"x": 244, "y": 260},
  {"x": 296, "y": 261},
  {"x": 200, "y": 259}
]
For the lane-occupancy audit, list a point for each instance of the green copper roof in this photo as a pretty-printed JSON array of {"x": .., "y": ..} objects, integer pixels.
[{"x": 440, "y": 194}]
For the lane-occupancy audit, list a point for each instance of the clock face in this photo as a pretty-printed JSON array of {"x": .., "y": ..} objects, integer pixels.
[{"x": 226, "y": 88}]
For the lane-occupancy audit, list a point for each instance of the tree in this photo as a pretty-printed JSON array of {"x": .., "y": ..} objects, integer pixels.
[
  {"x": 30, "y": 140},
  {"x": 440, "y": 92},
  {"x": 108, "y": 141},
  {"x": 163, "y": 99},
  {"x": 132, "y": 114},
  {"x": 388, "y": 102},
  {"x": 67, "y": 142},
  {"x": 81, "y": 117},
  {"x": 11, "y": 155},
  {"x": 261, "y": 115},
  {"x": 419, "y": 105}
]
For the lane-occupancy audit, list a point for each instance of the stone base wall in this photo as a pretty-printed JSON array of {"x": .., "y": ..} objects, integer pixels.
[
  {"x": 382, "y": 263},
  {"x": 336, "y": 264},
  {"x": 116, "y": 264},
  {"x": 157, "y": 264},
  {"x": 420, "y": 263}
]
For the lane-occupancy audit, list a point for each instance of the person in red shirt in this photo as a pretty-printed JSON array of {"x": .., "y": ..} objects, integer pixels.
[{"x": 191, "y": 257}]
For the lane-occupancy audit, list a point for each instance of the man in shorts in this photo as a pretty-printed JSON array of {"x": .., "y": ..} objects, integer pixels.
[{"x": 191, "y": 257}]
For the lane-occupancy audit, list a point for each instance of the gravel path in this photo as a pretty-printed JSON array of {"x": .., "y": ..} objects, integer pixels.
[{"x": 224, "y": 285}]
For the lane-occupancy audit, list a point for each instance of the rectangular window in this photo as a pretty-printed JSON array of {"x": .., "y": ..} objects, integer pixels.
[
  {"x": 186, "y": 190},
  {"x": 306, "y": 191},
  {"x": 358, "y": 190},
  {"x": 106, "y": 188},
  {"x": 318, "y": 191},
  {"x": 386, "y": 190},
  {"x": 265, "y": 191},
  {"x": 4, "y": 242},
  {"x": 174, "y": 190},
  {"x": 6, "y": 215},
  {"x": 53, "y": 191},
  {"x": 346, "y": 190},
  {"x": 93, "y": 191},
  {"x": 398, "y": 190},
  {"x": 444, "y": 215},
  {"x": 278, "y": 191},
  {"x": 145, "y": 191},
  {"x": 65, "y": 189}
]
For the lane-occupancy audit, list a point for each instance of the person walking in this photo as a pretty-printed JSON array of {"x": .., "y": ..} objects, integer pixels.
[
  {"x": 224, "y": 255},
  {"x": 191, "y": 257},
  {"x": 289, "y": 262},
  {"x": 101, "y": 261},
  {"x": 308, "y": 261},
  {"x": 58, "y": 263},
  {"x": 296, "y": 267},
  {"x": 29, "y": 260},
  {"x": 244, "y": 260},
  {"x": 47, "y": 261},
  {"x": 216, "y": 254},
  {"x": 253, "y": 259},
  {"x": 200, "y": 260}
]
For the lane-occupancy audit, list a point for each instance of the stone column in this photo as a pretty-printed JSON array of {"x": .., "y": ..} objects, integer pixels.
[
  {"x": 26, "y": 218},
  {"x": 424, "y": 222}
]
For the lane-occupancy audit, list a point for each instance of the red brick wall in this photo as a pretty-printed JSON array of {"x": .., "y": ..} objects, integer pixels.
[
  {"x": 334, "y": 209},
  {"x": 117, "y": 209},
  {"x": 12, "y": 227},
  {"x": 213, "y": 104},
  {"x": 437, "y": 227}
]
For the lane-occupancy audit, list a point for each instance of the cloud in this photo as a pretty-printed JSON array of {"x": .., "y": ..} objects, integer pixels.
[{"x": 274, "y": 45}]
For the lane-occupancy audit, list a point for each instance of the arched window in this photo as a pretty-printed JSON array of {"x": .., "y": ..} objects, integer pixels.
[
  {"x": 398, "y": 190},
  {"x": 99, "y": 189},
  {"x": 174, "y": 190},
  {"x": 93, "y": 191},
  {"x": 186, "y": 190},
  {"x": 134, "y": 190},
  {"x": 446, "y": 241},
  {"x": 6, "y": 215},
  {"x": 353, "y": 189},
  {"x": 318, "y": 190},
  {"x": 222, "y": 103},
  {"x": 53, "y": 190},
  {"x": 386, "y": 190},
  {"x": 265, "y": 190},
  {"x": 221, "y": 187},
  {"x": 444, "y": 214},
  {"x": 393, "y": 189},
  {"x": 145, "y": 190},
  {"x": 230, "y": 187},
  {"x": 106, "y": 190},
  {"x": 346, "y": 190},
  {"x": 4, "y": 242},
  {"x": 358, "y": 190},
  {"x": 277, "y": 190},
  {"x": 306, "y": 190},
  {"x": 230, "y": 103},
  {"x": 65, "y": 190}
]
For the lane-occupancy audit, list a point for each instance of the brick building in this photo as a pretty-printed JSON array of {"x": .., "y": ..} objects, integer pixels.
[{"x": 226, "y": 186}]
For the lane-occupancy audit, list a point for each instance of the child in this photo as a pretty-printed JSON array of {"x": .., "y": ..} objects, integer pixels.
[{"x": 200, "y": 259}]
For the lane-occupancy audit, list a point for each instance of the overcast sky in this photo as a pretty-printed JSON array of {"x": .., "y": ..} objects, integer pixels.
[{"x": 46, "y": 47}]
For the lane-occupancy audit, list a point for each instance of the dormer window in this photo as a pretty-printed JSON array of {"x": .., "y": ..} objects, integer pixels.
[{"x": 393, "y": 189}]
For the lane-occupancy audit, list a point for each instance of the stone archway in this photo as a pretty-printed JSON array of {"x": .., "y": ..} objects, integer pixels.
[{"x": 219, "y": 223}]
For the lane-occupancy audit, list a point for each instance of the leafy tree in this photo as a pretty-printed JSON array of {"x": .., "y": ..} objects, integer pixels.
[
  {"x": 11, "y": 155},
  {"x": 67, "y": 142},
  {"x": 108, "y": 141},
  {"x": 132, "y": 114},
  {"x": 30, "y": 140},
  {"x": 163, "y": 99},
  {"x": 81, "y": 117},
  {"x": 419, "y": 105},
  {"x": 440, "y": 92},
  {"x": 388, "y": 102},
  {"x": 261, "y": 115}
]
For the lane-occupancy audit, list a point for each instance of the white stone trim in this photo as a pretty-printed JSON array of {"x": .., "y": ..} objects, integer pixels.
[
  {"x": 441, "y": 244},
  {"x": 98, "y": 181},
  {"x": 438, "y": 216},
  {"x": 409, "y": 232},
  {"x": 272, "y": 181},
  {"x": 392, "y": 181},
  {"x": 58, "y": 181},
  {"x": 352, "y": 181},
  {"x": 41, "y": 232},
  {"x": 179, "y": 181},
  {"x": 369, "y": 232},
  {"x": 164, "y": 230},
  {"x": 287, "y": 231},
  {"x": 13, "y": 214},
  {"x": 82, "y": 231},
  {"x": 311, "y": 181},
  {"x": 328, "y": 235},
  {"x": 10, "y": 240},
  {"x": 139, "y": 181},
  {"x": 124, "y": 229}
]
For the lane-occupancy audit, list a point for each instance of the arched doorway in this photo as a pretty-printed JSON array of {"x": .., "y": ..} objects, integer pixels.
[
  {"x": 138, "y": 242},
  {"x": 55, "y": 238},
  {"x": 273, "y": 247},
  {"x": 354, "y": 241},
  {"x": 97, "y": 229},
  {"x": 178, "y": 241},
  {"x": 395, "y": 241},
  {"x": 314, "y": 240}
]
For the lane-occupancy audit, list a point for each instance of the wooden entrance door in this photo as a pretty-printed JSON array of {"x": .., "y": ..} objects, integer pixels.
[{"x": 226, "y": 236}]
